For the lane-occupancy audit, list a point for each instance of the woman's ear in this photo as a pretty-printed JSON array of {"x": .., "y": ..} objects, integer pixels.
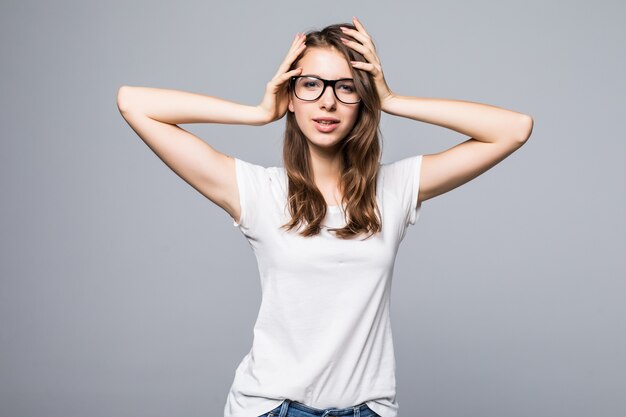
[{"x": 290, "y": 105}]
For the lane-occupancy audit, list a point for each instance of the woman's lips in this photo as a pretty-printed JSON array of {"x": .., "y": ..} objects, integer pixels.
[{"x": 325, "y": 128}]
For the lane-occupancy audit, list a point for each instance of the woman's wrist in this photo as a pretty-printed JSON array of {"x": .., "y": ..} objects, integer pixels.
[
  {"x": 260, "y": 117},
  {"x": 387, "y": 102}
]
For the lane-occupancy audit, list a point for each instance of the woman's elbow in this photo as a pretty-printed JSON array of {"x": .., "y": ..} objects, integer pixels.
[
  {"x": 122, "y": 98},
  {"x": 525, "y": 128}
]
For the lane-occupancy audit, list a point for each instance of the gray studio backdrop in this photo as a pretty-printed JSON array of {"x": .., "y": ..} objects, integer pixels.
[{"x": 124, "y": 292}]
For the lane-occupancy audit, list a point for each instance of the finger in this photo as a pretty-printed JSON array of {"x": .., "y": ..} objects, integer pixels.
[
  {"x": 297, "y": 47},
  {"x": 281, "y": 78},
  {"x": 363, "y": 65},
  {"x": 359, "y": 26},
  {"x": 291, "y": 73},
  {"x": 294, "y": 49},
  {"x": 365, "y": 40},
  {"x": 291, "y": 56},
  {"x": 364, "y": 50},
  {"x": 295, "y": 39}
]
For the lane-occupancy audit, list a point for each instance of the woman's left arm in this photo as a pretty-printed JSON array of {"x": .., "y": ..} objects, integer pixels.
[
  {"x": 495, "y": 133},
  {"x": 482, "y": 122}
]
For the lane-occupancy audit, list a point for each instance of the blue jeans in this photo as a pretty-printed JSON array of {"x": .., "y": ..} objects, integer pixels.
[{"x": 295, "y": 409}]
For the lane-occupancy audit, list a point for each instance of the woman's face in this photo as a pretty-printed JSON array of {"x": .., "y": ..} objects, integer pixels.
[{"x": 331, "y": 65}]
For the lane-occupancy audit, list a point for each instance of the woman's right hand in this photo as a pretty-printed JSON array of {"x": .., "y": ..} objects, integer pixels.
[{"x": 275, "y": 101}]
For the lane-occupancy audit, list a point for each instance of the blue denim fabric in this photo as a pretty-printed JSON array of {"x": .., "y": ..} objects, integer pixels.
[{"x": 291, "y": 408}]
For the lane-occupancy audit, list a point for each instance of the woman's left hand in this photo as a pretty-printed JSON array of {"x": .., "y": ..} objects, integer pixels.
[{"x": 368, "y": 50}]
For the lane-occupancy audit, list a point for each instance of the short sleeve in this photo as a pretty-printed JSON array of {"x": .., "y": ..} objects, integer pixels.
[
  {"x": 403, "y": 178},
  {"x": 252, "y": 182}
]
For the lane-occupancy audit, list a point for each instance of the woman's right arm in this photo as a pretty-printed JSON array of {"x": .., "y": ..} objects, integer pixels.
[
  {"x": 180, "y": 107},
  {"x": 154, "y": 114}
]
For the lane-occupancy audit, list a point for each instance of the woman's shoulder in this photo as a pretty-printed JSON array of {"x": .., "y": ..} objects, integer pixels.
[
  {"x": 257, "y": 169},
  {"x": 261, "y": 175},
  {"x": 401, "y": 168}
]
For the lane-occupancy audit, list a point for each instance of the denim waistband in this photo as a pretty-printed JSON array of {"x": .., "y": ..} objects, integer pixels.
[{"x": 297, "y": 409}]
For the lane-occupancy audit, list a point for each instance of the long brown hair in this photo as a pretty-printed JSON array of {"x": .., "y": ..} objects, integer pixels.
[{"x": 360, "y": 150}]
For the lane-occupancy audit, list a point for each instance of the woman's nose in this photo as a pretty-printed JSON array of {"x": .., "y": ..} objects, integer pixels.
[{"x": 328, "y": 98}]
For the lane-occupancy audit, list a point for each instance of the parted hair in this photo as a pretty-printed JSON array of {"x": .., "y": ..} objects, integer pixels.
[{"x": 360, "y": 150}]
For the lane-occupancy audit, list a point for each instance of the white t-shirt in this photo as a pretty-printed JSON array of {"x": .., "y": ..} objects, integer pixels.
[{"x": 323, "y": 333}]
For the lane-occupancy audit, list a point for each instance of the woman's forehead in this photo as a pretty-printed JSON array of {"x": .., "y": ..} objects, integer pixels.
[{"x": 325, "y": 63}]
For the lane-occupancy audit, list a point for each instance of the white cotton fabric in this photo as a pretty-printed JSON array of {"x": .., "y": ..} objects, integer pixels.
[{"x": 323, "y": 332}]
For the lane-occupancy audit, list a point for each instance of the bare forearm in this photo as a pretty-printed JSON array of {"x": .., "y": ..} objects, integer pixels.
[
  {"x": 178, "y": 107},
  {"x": 481, "y": 121}
]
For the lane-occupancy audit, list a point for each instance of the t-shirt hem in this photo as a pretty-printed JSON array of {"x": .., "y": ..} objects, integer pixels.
[
  {"x": 380, "y": 409},
  {"x": 265, "y": 407}
]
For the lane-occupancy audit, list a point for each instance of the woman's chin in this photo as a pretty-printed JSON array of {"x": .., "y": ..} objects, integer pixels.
[{"x": 326, "y": 142}]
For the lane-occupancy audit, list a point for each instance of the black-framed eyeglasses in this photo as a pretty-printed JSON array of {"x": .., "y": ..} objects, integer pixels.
[{"x": 311, "y": 88}]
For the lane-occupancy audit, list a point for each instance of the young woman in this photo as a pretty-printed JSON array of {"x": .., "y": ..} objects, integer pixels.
[{"x": 326, "y": 227}]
